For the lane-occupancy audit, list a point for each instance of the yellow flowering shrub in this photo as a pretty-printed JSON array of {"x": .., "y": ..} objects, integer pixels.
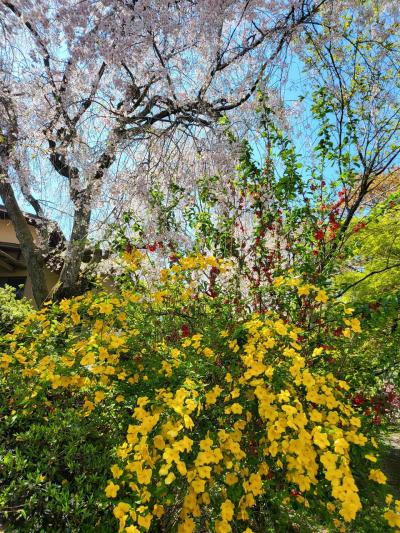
[{"x": 220, "y": 412}]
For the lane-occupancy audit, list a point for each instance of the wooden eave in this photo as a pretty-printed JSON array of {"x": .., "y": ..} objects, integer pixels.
[{"x": 8, "y": 262}]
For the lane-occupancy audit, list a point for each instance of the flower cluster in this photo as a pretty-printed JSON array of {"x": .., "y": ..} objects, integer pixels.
[{"x": 220, "y": 410}]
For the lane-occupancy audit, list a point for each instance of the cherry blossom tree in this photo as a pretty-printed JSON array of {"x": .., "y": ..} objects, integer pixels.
[{"x": 87, "y": 89}]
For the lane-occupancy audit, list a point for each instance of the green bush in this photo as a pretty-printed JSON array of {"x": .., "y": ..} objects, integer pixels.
[{"x": 12, "y": 310}]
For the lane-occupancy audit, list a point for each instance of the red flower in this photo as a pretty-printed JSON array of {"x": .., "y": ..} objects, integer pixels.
[
  {"x": 358, "y": 399},
  {"x": 185, "y": 330},
  {"x": 359, "y": 226},
  {"x": 319, "y": 235},
  {"x": 377, "y": 420}
]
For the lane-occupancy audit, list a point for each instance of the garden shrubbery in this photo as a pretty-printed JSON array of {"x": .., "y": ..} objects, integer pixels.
[
  {"x": 12, "y": 309},
  {"x": 171, "y": 407}
]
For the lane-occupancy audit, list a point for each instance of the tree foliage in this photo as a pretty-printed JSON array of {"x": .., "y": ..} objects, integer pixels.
[
  {"x": 97, "y": 98},
  {"x": 368, "y": 281}
]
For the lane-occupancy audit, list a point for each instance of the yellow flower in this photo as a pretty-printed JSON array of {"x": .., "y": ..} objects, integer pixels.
[
  {"x": 145, "y": 521},
  {"x": 321, "y": 297},
  {"x": 159, "y": 442},
  {"x": 330, "y": 506},
  {"x": 170, "y": 478},
  {"x": 227, "y": 510},
  {"x": 99, "y": 396},
  {"x": 280, "y": 327},
  {"x": 392, "y": 518},
  {"x": 223, "y": 527},
  {"x": 253, "y": 485},
  {"x": 105, "y": 308},
  {"x": 181, "y": 467},
  {"x": 188, "y": 422},
  {"x": 317, "y": 351},
  {"x": 233, "y": 345},
  {"x": 158, "y": 297},
  {"x": 320, "y": 439},
  {"x": 88, "y": 406},
  {"x": 144, "y": 476},
  {"x": 121, "y": 509},
  {"x": 198, "y": 485},
  {"x": 206, "y": 498},
  {"x": 188, "y": 526},
  {"x": 88, "y": 359},
  {"x": 116, "y": 471},
  {"x": 339, "y": 526},
  {"x": 212, "y": 395},
  {"x": 350, "y": 507},
  {"x": 355, "y": 325},
  {"x": 158, "y": 510},
  {"x": 341, "y": 446},
  {"x": 371, "y": 458},
  {"x": 231, "y": 479},
  {"x": 111, "y": 490},
  {"x": 273, "y": 449},
  {"x": 236, "y": 409},
  {"x": 284, "y": 396},
  {"x": 204, "y": 472},
  {"x": 303, "y": 290},
  {"x": 378, "y": 476},
  {"x": 208, "y": 352},
  {"x": 315, "y": 416},
  {"x": 75, "y": 317}
]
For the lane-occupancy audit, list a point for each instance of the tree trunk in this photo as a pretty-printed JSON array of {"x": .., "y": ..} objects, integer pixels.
[
  {"x": 31, "y": 253},
  {"x": 69, "y": 283}
]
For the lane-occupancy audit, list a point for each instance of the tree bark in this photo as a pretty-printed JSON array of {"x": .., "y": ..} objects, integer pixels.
[
  {"x": 32, "y": 255},
  {"x": 69, "y": 282}
]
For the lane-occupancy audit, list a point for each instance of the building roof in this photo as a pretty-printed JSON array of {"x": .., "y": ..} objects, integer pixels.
[{"x": 30, "y": 217}]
